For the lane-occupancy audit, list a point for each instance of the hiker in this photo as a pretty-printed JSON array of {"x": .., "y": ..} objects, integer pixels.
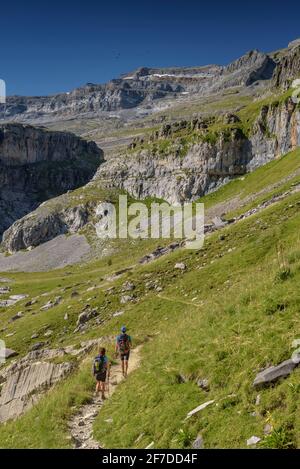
[
  {"x": 101, "y": 371},
  {"x": 123, "y": 346}
]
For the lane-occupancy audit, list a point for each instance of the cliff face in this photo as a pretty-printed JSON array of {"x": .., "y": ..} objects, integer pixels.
[
  {"x": 36, "y": 165},
  {"x": 205, "y": 164},
  {"x": 288, "y": 67}
]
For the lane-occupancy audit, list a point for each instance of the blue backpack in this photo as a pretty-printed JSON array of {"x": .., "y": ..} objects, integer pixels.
[{"x": 99, "y": 364}]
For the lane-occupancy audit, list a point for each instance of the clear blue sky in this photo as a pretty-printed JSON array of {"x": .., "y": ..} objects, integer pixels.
[{"x": 51, "y": 46}]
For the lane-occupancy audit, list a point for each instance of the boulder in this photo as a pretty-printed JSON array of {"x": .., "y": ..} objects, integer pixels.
[
  {"x": 180, "y": 266},
  {"x": 86, "y": 316},
  {"x": 7, "y": 353},
  {"x": 274, "y": 373},
  {"x": 128, "y": 286},
  {"x": 203, "y": 384}
]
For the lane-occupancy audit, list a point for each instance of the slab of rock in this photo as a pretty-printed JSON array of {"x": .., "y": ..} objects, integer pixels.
[
  {"x": 37, "y": 346},
  {"x": 200, "y": 407},
  {"x": 86, "y": 316},
  {"x": 126, "y": 298},
  {"x": 51, "y": 304},
  {"x": 6, "y": 353},
  {"x": 17, "y": 298},
  {"x": 26, "y": 384},
  {"x": 17, "y": 316},
  {"x": 5, "y": 280},
  {"x": 274, "y": 373},
  {"x": 128, "y": 286},
  {"x": 180, "y": 266},
  {"x": 118, "y": 313},
  {"x": 253, "y": 440},
  {"x": 4, "y": 290}
]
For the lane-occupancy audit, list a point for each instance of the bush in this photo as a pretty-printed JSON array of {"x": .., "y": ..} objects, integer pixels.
[
  {"x": 282, "y": 275},
  {"x": 184, "y": 438}
]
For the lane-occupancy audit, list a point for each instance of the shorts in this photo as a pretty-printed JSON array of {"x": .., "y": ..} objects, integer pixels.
[
  {"x": 125, "y": 356},
  {"x": 101, "y": 376}
]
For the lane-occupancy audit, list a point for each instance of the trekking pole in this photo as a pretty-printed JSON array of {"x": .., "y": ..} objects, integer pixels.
[{"x": 107, "y": 385}]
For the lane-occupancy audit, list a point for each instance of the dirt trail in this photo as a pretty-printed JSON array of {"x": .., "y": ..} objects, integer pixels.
[{"x": 81, "y": 425}]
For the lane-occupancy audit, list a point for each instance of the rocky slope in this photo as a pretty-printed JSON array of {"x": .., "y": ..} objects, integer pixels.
[
  {"x": 188, "y": 159},
  {"x": 145, "y": 86},
  {"x": 36, "y": 165}
]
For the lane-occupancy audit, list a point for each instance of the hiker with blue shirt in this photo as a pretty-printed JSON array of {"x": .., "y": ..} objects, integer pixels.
[
  {"x": 123, "y": 346},
  {"x": 101, "y": 371}
]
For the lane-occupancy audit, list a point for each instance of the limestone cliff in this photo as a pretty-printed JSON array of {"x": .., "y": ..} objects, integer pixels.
[
  {"x": 176, "y": 170},
  {"x": 36, "y": 165}
]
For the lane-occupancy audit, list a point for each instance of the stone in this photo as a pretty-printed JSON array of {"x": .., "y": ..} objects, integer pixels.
[
  {"x": 7, "y": 353},
  {"x": 47, "y": 306},
  {"x": 199, "y": 408},
  {"x": 17, "y": 316},
  {"x": 37, "y": 346},
  {"x": 66, "y": 317},
  {"x": 128, "y": 286},
  {"x": 126, "y": 298},
  {"x": 34, "y": 336},
  {"x": 268, "y": 429},
  {"x": 86, "y": 316},
  {"x": 30, "y": 303},
  {"x": 203, "y": 384},
  {"x": 253, "y": 440},
  {"x": 48, "y": 333},
  {"x": 118, "y": 313},
  {"x": 4, "y": 290},
  {"x": 198, "y": 443},
  {"x": 274, "y": 373},
  {"x": 180, "y": 266}
]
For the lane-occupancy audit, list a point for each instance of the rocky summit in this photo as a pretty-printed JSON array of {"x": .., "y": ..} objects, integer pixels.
[{"x": 145, "y": 87}]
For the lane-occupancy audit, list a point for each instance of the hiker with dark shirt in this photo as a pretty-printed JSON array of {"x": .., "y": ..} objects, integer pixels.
[
  {"x": 101, "y": 371},
  {"x": 123, "y": 346}
]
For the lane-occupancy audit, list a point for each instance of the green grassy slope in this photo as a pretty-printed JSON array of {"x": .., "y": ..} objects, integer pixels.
[{"x": 228, "y": 315}]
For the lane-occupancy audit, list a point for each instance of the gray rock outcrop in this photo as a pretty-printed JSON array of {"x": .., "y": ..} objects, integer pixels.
[
  {"x": 25, "y": 381},
  {"x": 274, "y": 373},
  {"x": 213, "y": 160},
  {"x": 43, "y": 225}
]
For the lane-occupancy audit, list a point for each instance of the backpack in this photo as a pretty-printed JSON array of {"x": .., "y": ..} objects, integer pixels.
[
  {"x": 124, "y": 343},
  {"x": 99, "y": 364}
]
